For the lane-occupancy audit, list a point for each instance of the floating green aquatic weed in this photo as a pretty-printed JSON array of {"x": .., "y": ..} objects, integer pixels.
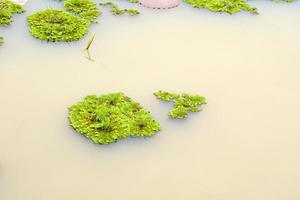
[
  {"x": 132, "y": 12},
  {"x": 57, "y": 25},
  {"x": 229, "y": 6},
  {"x": 166, "y": 96},
  {"x": 86, "y": 9},
  {"x": 1, "y": 40},
  {"x": 110, "y": 117},
  {"x": 288, "y": 1},
  {"x": 133, "y": 1},
  {"x": 115, "y": 10},
  {"x": 182, "y": 103},
  {"x": 7, "y": 9}
]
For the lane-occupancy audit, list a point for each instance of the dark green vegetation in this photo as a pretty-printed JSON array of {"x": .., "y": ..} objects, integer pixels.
[
  {"x": 115, "y": 10},
  {"x": 57, "y": 25},
  {"x": 229, "y": 6},
  {"x": 83, "y": 8},
  {"x": 183, "y": 104},
  {"x": 7, "y": 9},
  {"x": 110, "y": 117}
]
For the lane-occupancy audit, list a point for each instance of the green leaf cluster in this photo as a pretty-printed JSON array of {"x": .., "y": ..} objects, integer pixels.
[
  {"x": 183, "y": 103},
  {"x": 229, "y": 6},
  {"x": 57, "y": 25},
  {"x": 86, "y": 9},
  {"x": 7, "y": 9},
  {"x": 110, "y": 117},
  {"x": 115, "y": 10}
]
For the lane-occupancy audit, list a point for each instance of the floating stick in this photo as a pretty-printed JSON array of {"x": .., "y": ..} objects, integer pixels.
[{"x": 90, "y": 42}]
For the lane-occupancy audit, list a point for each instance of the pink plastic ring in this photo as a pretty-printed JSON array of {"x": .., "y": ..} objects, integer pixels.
[{"x": 160, "y": 3}]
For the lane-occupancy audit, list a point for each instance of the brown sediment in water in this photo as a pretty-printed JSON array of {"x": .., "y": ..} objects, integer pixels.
[{"x": 244, "y": 145}]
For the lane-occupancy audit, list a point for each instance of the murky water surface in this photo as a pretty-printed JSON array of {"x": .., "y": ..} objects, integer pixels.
[{"x": 244, "y": 145}]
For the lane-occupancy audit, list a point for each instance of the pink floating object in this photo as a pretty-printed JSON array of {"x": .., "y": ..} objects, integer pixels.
[{"x": 160, "y": 3}]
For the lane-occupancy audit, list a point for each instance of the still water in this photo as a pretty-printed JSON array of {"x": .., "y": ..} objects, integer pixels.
[{"x": 244, "y": 145}]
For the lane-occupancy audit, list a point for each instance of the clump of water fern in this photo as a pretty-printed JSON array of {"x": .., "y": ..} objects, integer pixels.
[
  {"x": 115, "y": 10},
  {"x": 1, "y": 40},
  {"x": 288, "y": 1},
  {"x": 7, "y": 9},
  {"x": 132, "y": 12},
  {"x": 107, "y": 118},
  {"x": 229, "y": 6},
  {"x": 86, "y": 9},
  {"x": 182, "y": 104},
  {"x": 166, "y": 96},
  {"x": 57, "y": 25}
]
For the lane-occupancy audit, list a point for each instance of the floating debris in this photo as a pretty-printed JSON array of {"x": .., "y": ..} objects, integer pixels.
[
  {"x": 87, "y": 48},
  {"x": 90, "y": 42}
]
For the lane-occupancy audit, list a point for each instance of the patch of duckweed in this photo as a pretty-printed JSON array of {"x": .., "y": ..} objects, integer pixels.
[
  {"x": 57, "y": 25},
  {"x": 115, "y": 10},
  {"x": 86, "y": 9},
  {"x": 1, "y": 40},
  {"x": 288, "y": 1},
  {"x": 183, "y": 103},
  {"x": 107, "y": 118},
  {"x": 228, "y": 6},
  {"x": 7, "y": 9},
  {"x": 166, "y": 96},
  {"x": 132, "y": 12}
]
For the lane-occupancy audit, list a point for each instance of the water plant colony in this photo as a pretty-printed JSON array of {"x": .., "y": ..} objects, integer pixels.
[
  {"x": 115, "y": 10},
  {"x": 182, "y": 104},
  {"x": 73, "y": 23},
  {"x": 110, "y": 117},
  {"x": 229, "y": 6},
  {"x": 7, "y": 9},
  {"x": 105, "y": 119}
]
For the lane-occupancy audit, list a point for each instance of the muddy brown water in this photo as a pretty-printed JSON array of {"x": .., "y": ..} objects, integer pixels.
[{"x": 244, "y": 145}]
